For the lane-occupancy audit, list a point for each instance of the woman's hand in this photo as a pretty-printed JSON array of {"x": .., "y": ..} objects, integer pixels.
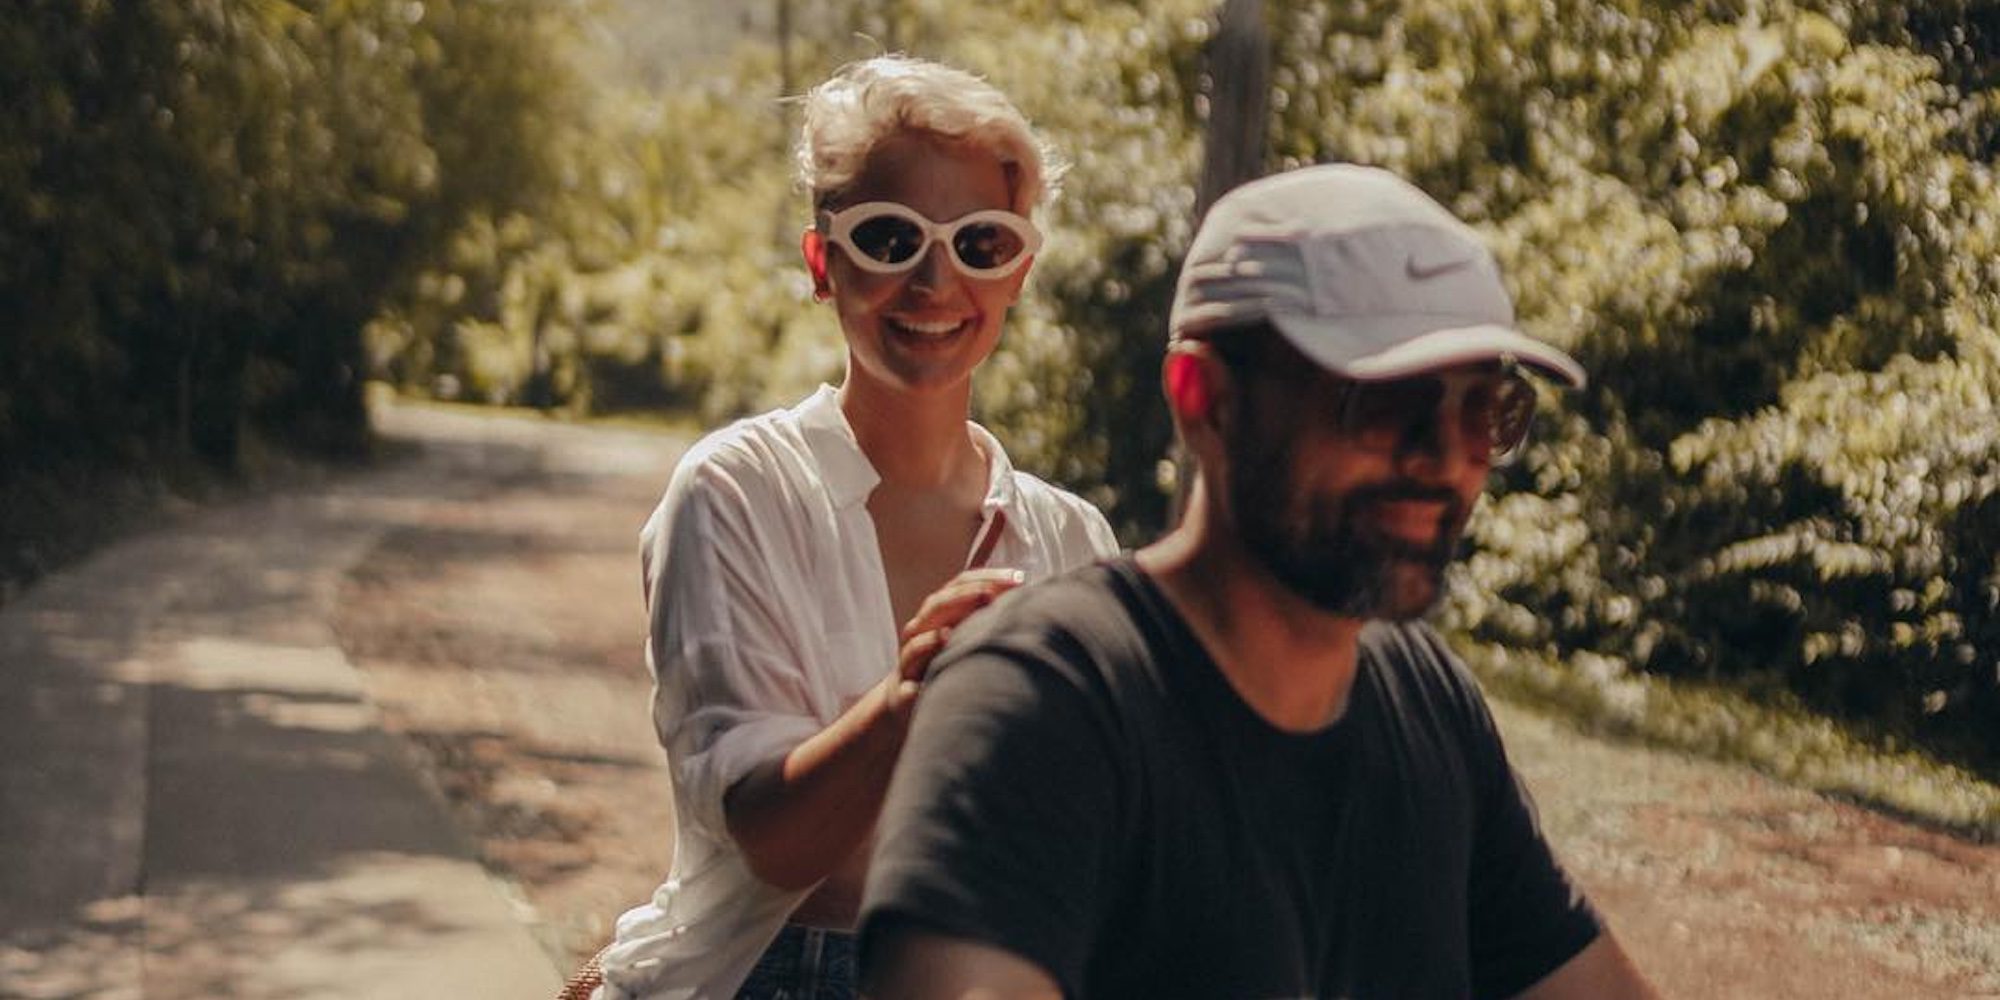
[
  {"x": 798, "y": 816},
  {"x": 923, "y": 635}
]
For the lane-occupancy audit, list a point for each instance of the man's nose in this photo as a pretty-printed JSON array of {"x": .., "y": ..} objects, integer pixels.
[{"x": 1432, "y": 446}]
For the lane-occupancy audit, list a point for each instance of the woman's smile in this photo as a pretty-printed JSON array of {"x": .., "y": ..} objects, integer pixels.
[{"x": 927, "y": 332}]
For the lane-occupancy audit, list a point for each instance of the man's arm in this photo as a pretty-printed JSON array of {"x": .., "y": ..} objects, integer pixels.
[
  {"x": 1601, "y": 971},
  {"x": 1000, "y": 824},
  {"x": 911, "y": 964}
]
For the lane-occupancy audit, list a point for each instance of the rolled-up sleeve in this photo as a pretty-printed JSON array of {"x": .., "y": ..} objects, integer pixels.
[{"x": 730, "y": 684}]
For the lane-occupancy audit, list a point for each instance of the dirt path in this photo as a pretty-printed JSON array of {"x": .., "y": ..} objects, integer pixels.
[
  {"x": 501, "y": 636},
  {"x": 1726, "y": 884}
]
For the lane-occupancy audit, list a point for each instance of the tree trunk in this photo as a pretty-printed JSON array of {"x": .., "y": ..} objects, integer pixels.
[
  {"x": 1239, "y": 100},
  {"x": 1239, "y": 72}
]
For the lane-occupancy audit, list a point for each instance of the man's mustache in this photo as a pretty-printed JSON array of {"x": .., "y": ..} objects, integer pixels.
[
  {"x": 1449, "y": 519},
  {"x": 1384, "y": 493}
]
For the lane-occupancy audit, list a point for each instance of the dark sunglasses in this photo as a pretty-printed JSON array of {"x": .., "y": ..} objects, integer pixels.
[
  {"x": 1493, "y": 411},
  {"x": 887, "y": 238}
]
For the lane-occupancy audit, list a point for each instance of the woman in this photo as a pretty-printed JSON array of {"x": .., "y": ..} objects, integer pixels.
[{"x": 789, "y": 546}]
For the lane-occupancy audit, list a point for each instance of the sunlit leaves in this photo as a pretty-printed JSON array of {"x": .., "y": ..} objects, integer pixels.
[
  {"x": 1769, "y": 228},
  {"x": 210, "y": 199},
  {"x": 1759, "y": 234}
]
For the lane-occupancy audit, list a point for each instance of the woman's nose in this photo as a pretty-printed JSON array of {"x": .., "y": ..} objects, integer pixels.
[{"x": 933, "y": 272}]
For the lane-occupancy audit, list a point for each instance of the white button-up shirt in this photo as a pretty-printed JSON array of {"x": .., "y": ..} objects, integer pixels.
[{"x": 770, "y": 616}]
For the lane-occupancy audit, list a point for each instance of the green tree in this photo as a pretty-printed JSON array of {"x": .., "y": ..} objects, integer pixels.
[
  {"x": 1767, "y": 227},
  {"x": 204, "y": 201},
  {"x": 1759, "y": 225}
]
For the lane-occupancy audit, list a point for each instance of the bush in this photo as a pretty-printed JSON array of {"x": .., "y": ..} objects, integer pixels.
[
  {"x": 1766, "y": 226},
  {"x": 201, "y": 203}
]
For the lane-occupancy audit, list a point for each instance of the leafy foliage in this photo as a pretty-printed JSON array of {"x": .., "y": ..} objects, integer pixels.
[
  {"x": 1768, "y": 227},
  {"x": 201, "y": 202},
  {"x": 669, "y": 273},
  {"x": 1759, "y": 226}
]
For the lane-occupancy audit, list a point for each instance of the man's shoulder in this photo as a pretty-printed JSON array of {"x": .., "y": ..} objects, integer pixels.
[
  {"x": 1082, "y": 620},
  {"x": 1413, "y": 643},
  {"x": 1414, "y": 665},
  {"x": 1089, "y": 598}
]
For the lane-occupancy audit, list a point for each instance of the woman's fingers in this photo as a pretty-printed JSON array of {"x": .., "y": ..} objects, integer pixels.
[
  {"x": 941, "y": 612},
  {"x": 961, "y": 596},
  {"x": 918, "y": 651}
]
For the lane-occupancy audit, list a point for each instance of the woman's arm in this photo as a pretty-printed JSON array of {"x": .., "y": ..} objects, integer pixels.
[{"x": 799, "y": 816}]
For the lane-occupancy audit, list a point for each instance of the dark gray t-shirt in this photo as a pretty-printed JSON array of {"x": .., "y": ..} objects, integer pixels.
[{"x": 1082, "y": 787}]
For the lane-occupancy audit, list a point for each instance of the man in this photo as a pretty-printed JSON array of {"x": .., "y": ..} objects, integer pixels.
[{"x": 1235, "y": 764}]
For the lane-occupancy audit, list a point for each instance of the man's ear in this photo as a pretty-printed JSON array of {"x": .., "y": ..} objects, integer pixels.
[
  {"x": 812, "y": 246},
  {"x": 1199, "y": 395},
  {"x": 1189, "y": 375}
]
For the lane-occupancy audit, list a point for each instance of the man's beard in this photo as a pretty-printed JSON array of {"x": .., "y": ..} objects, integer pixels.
[{"x": 1320, "y": 554}]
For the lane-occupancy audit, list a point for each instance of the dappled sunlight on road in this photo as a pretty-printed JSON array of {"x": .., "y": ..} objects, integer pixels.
[{"x": 198, "y": 798}]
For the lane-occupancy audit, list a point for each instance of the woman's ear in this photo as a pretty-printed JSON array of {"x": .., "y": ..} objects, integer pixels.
[{"x": 812, "y": 246}]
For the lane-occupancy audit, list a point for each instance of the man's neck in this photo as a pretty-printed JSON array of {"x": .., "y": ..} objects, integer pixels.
[{"x": 1291, "y": 662}]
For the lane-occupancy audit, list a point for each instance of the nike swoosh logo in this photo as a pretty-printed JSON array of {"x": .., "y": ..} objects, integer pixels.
[{"x": 1419, "y": 271}]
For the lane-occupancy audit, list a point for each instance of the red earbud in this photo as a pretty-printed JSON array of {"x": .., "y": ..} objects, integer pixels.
[{"x": 1187, "y": 384}]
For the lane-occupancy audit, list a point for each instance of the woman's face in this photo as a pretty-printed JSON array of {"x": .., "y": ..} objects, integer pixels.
[{"x": 926, "y": 328}]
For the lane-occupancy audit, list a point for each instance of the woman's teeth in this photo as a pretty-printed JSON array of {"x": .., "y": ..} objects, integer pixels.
[{"x": 937, "y": 329}]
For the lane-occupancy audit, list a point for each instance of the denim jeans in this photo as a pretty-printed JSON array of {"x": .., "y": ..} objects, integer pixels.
[{"x": 804, "y": 963}]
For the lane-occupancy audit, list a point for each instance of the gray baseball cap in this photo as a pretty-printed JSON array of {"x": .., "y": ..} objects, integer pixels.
[{"x": 1359, "y": 270}]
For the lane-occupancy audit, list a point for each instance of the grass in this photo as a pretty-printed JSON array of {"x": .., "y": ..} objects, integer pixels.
[{"x": 1784, "y": 741}]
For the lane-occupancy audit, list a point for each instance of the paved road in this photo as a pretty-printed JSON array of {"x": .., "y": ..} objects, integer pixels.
[{"x": 196, "y": 798}]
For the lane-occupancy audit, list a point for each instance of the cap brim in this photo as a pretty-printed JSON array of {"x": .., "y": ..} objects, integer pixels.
[{"x": 1335, "y": 346}]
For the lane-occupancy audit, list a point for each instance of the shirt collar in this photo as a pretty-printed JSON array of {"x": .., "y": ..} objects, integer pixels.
[
  {"x": 849, "y": 476},
  {"x": 1000, "y": 490}
]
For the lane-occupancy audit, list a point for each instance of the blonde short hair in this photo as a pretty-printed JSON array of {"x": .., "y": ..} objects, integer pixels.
[{"x": 865, "y": 102}]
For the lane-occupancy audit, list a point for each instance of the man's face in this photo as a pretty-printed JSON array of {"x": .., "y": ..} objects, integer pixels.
[{"x": 1357, "y": 503}]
